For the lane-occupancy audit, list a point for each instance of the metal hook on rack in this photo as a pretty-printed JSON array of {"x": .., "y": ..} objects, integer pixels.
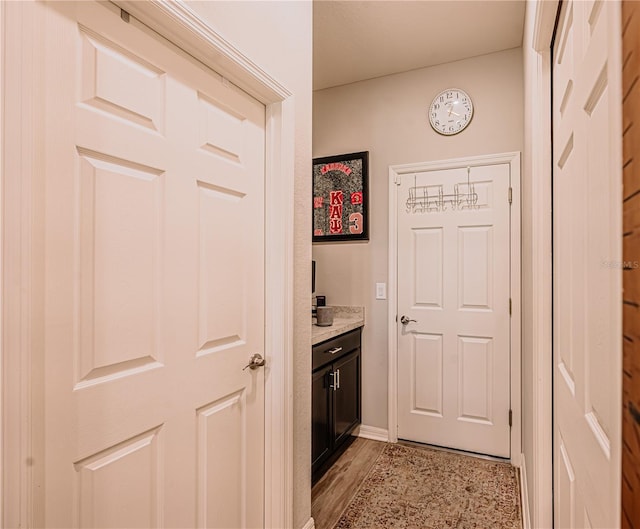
[{"x": 432, "y": 197}]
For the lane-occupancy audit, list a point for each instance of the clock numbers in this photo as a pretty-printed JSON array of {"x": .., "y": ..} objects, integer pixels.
[{"x": 450, "y": 112}]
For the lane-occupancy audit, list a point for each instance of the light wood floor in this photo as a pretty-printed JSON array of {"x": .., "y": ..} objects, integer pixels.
[{"x": 331, "y": 495}]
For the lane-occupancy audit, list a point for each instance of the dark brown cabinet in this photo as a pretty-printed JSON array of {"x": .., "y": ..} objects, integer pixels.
[
  {"x": 335, "y": 399},
  {"x": 321, "y": 403}
]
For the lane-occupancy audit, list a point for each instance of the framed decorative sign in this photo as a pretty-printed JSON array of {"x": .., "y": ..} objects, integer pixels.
[{"x": 341, "y": 197}]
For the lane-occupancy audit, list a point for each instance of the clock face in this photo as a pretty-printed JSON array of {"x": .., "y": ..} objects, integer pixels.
[{"x": 450, "y": 111}]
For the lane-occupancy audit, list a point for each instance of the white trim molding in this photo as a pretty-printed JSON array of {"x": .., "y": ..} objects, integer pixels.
[
  {"x": 545, "y": 21},
  {"x": 175, "y": 20},
  {"x": 539, "y": 26},
  {"x": 279, "y": 317},
  {"x": 373, "y": 433},
  {"x": 22, "y": 93},
  {"x": 21, "y": 326},
  {"x": 524, "y": 494},
  {"x": 513, "y": 159}
]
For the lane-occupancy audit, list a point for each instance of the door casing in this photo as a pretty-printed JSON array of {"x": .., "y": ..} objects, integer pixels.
[
  {"x": 20, "y": 329},
  {"x": 537, "y": 502},
  {"x": 513, "y": 159}
]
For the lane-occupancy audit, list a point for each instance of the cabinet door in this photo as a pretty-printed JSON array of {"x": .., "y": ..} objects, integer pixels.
[
  {"x": 320, "y": 415},
  {"x": 347, "y": 396}
]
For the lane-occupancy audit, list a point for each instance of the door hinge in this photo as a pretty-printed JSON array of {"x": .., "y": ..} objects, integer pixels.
[
  {"x": 397, "y": 179},
  {"x": 510, "y": 418},
  {"x": 510, "y": 307},
  {"x": 124, "y": 15},
  {"x": 510, "y": 195}
]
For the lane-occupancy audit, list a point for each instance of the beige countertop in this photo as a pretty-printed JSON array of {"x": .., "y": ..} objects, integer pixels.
[{"x": 345, "y": 319}]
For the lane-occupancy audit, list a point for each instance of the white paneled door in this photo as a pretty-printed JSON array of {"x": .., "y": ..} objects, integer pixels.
[
  {"x": 453, "y": 308},
  {"x": 586, "y": 295},
  {"x": 154, "y": 282}
]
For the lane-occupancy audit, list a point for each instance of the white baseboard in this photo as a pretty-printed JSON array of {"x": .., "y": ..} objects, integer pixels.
[
  {"x": 524, "y": 495},
  {"x": 371, "y": 432},
  {"x": 309, "y": 525}
]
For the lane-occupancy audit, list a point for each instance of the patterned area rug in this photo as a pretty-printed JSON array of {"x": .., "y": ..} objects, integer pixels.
[{"x": 420, "y": 488}]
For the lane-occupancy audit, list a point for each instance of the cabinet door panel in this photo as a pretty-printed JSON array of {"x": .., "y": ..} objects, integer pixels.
[
  {"x": 321, "y": 415},
  {"x": 347, "y": 396}
]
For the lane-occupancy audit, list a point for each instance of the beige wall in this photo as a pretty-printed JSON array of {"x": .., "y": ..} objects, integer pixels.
[
  {"x": 388, "y": 117},
  {"x": 278, "y": 37}
]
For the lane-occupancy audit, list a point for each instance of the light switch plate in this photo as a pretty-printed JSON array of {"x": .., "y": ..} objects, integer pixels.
[{"x": 381, "y": 291}]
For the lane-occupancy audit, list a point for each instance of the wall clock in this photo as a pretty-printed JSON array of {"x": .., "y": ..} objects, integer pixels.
[{"x": 450, "y": 111}]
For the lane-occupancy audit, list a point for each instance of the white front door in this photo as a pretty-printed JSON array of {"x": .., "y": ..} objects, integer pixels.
[
  {"x": 586, "y": 269},
  {"x": 454, "y": 287},
  {"x": 154, "y": 283}
]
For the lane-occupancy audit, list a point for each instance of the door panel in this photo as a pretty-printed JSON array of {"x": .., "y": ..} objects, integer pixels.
[
  {"x": 428, "y": 257},
  {"x": 119, "y": 487},
  {"x": 119, "y": 242},
  {"x": 321, "y": 414},
  {"x": 475, "y": 261},
  {"x": 586, "y": 431},
  {"x": 426, "y": 382},
  {"x": 475, "y": 357},
  {"x": 154, "y": 282},
  {"x": 347, "y": 397},
  {"x": 453, "y": 280},
  {"x": 220, "y": 426},
  {"x": 103, "y": 66}
]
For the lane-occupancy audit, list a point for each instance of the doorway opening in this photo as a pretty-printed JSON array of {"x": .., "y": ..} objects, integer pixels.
[{"x": 460, "y": 258}]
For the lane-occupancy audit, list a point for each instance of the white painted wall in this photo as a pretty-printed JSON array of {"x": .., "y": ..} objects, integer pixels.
[
  {"x": 277, "y": 35},
  {"x": 388, "y": 117}
]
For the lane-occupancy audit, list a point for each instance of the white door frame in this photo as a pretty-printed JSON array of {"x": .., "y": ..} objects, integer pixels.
[
  {"x": 20, "y": 348},
  {"x": 513, "y": 159},
  {"x": 537, "y": 171}
]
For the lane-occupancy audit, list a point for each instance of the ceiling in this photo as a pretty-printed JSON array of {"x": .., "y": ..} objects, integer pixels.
[{"x": 354, "y": 40}]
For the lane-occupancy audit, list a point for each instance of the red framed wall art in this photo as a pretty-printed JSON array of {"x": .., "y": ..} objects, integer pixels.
[{"x": 341, "y": 197}]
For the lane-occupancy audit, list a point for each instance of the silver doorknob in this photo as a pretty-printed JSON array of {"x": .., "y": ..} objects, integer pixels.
[
  {"x": 404, "y": 320},
  {"x": 255, "y": 362}
]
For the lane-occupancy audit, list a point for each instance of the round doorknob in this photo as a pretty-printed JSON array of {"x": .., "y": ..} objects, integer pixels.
[{"x": 255, "y": 362}]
